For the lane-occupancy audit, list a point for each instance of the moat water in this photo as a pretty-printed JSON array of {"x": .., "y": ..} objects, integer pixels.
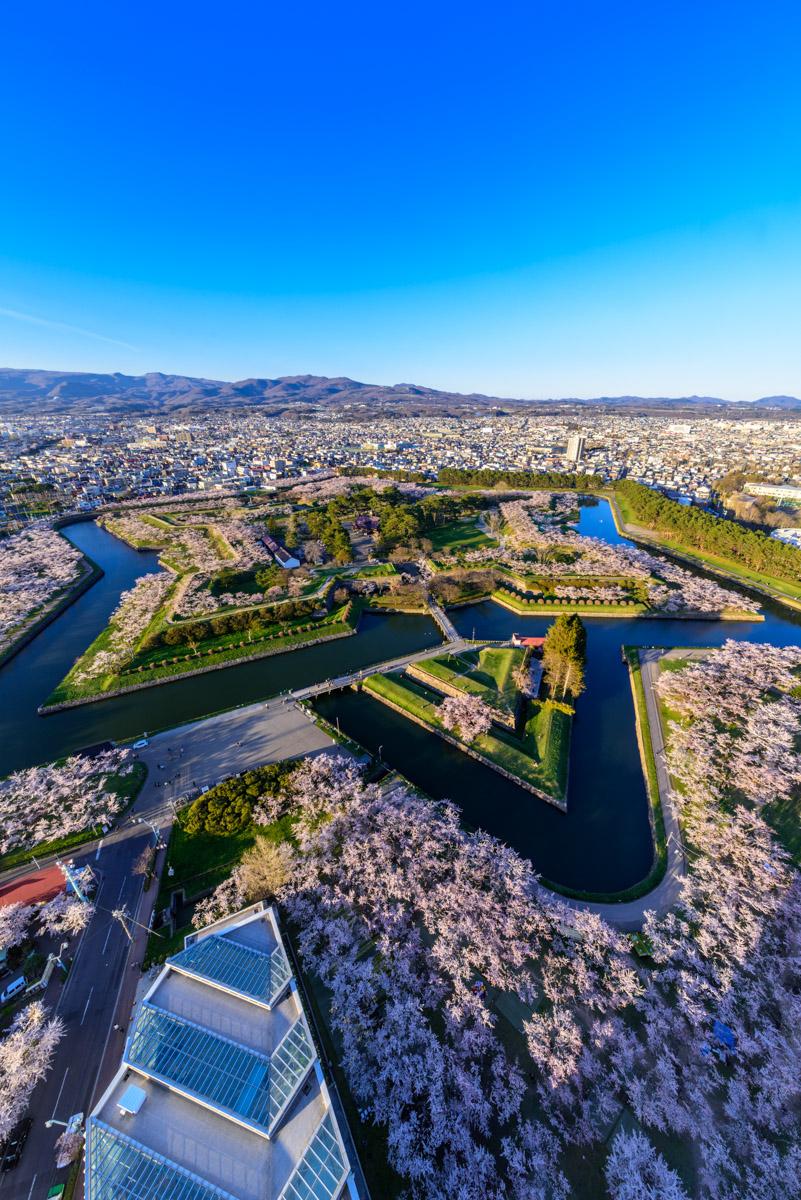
[{"x": 603, "y": 842}]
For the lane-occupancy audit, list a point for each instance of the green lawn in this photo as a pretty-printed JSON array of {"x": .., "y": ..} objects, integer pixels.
[
  {"x": 487, "y": 673},
  {"x": 540, "y": 757},
  {"x": 374, "y": 571},
  {"x": 201, "y": 861},
  {"x": 460, "y": 535},
  {"x": 274, "y": 636}
]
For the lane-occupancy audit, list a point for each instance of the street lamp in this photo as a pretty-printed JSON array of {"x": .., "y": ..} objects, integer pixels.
[
  {"x": 144, "y": 821},
  {"x": 72, "y": 1125}
]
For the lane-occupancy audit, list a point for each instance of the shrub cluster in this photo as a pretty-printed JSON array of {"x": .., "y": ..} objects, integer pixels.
[
  {"x": 228, "y": 807},
  {"x": 245, "y": 621}
]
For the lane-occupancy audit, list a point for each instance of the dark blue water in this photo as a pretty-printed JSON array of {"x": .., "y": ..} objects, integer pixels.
[
  {"x": 603, "y": 843},
  {"x": 596, "y": 520},
  {"x": 26, "y": 681}
]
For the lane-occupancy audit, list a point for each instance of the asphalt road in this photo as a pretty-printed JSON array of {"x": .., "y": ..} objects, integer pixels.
[
  {"x": 193, "y": 755},
  {"x": 86, "y": 1003}
]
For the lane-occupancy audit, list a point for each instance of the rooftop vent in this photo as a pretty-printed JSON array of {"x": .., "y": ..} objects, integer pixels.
[{"x": 131, "y": 1100}]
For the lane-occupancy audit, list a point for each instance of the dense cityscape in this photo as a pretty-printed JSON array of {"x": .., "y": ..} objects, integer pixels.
[
  {"x": 400, "y": 602},
  {"x": 90, "y": 461}
]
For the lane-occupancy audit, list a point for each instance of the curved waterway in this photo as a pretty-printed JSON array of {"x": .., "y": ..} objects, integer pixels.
[
  {"x": 25, "y": 681},
  {"x": 603, "y": 843}
]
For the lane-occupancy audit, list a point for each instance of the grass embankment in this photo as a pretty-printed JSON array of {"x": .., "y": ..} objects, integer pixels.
[
  {"x": 539, "y": 758},
  {"x": 648, "y": 759},
  {"x": 546, "y": 608},
  {"x": 163, "y": 662},
  {"x": 127, "y": 787},
  {"x": 459, "y": 535},
  {"x": 488, "y": 674}
]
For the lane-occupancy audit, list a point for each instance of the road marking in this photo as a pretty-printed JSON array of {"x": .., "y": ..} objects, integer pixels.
[
  {"x": 58, "y": 1097},
  {"x": 122, "y": 886},
  {"x": 108, "y": 935},
  {"x": 30, "y": 1193},
  {"x": 99, "y": 848},
  {"x": 86, "y": 1006}
]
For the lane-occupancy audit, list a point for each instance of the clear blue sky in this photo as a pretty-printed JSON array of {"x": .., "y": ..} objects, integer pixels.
[{"x": 561, "y": 198}]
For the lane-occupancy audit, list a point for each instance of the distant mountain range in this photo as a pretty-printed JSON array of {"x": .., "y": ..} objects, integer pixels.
[{"x": 155, "y": 393}]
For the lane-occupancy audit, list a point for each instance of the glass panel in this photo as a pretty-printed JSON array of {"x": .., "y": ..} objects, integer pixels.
[
  {"x": 320, "y": 1173},
  {"x": 122, "y": 1169},
  {"x": 241, "y": 968},
  {"x": 210, "y": 1066}
]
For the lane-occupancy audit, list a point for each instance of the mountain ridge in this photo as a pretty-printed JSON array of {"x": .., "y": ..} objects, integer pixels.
[{"x": 156, "y": 393}]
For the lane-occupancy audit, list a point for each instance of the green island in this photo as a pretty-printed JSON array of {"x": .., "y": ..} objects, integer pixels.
[
  {"x": 528, "y": 739},
  {"x": 254, "y": 575},
  {"x": 724, "y": 546}
]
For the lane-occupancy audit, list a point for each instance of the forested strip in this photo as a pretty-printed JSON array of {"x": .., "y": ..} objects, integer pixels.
[
  {"x": 700, "y": 530},
  {"x": 520, "y": 479}
]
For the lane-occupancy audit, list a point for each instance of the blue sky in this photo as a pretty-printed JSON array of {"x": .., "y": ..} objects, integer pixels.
[{"x": 562, "y": 198}]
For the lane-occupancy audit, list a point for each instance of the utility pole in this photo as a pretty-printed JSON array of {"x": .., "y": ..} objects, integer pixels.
[
  {"x": 124, "y": 917},
  {"x": 69, "y": 873}
]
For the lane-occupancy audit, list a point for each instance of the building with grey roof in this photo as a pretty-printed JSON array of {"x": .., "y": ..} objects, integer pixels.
[{"x": 220, "y": 1094}]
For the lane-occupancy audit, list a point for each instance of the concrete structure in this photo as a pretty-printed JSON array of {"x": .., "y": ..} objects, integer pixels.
[
  {"x": 575, "y": 448},
  {"x": 777, "y": 491},
  {"x": 220, "y": 1094},
  {"x": 791, "y": 536}
]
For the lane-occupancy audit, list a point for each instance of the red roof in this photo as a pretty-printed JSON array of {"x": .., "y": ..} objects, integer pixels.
[
  {"x": 529, "y": 641},
  {"x": 30, "y": 889}
]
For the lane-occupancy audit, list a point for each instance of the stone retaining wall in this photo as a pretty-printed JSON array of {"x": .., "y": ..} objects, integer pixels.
[{"x": 486, "y": 762}]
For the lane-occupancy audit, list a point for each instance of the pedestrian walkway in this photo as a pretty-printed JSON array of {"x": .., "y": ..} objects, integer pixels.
[{"x": 443, "y": 621}]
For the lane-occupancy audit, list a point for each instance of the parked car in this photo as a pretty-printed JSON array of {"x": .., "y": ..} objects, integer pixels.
[
  {"x": 12, "y": 1147},
  {"x": 13, "y": 989}
]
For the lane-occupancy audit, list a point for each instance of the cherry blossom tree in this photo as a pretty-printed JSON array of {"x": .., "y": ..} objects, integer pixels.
[
  {"x": 26, "y": 1053},
  {"x": 68, "y": 1148},
  {"x": 128, "y": 622},
  {"x": 15, "y": 920},
  {"x": 41, "y": 804},
  {"x": 35, "y": 566},
  {"x": 635, "y": 1171},
  {"x": 468, "y": 716},
  {"x": 542, "y": 539},
  {"x": 65, "y": 915}
]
